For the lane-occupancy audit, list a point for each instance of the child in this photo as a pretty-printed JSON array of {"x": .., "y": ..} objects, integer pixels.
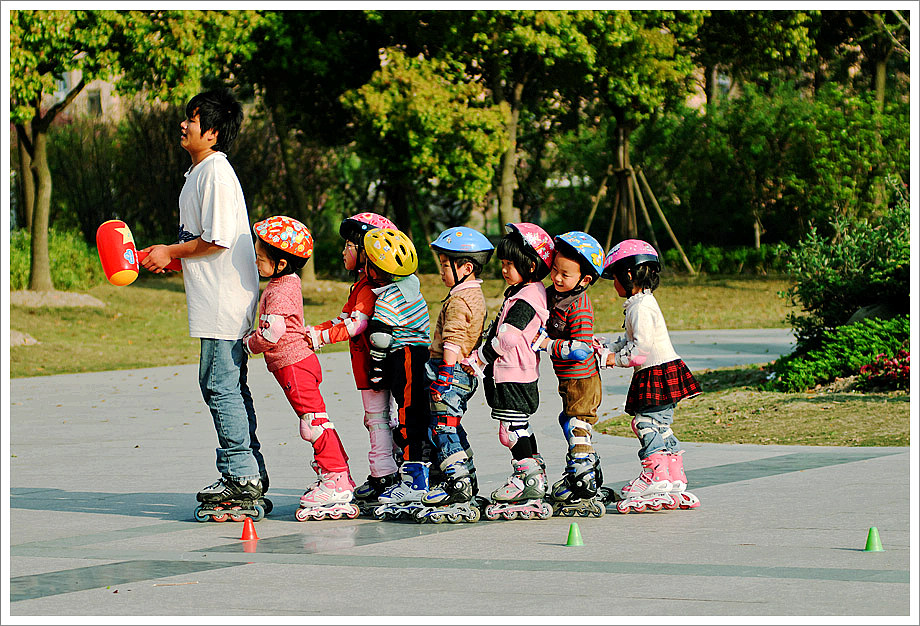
[
  {"x": 577, "y": 263},
  {"x": 660, "y": 380},
  {"x": 462, "y": 253},
  {"x": 221, "y": 289},
  {"x": 399, "y": 338},
  {"x": 512, "y": 368},
  {"x": 283, "y": 246},
  {"x": 351, "y": 324}
]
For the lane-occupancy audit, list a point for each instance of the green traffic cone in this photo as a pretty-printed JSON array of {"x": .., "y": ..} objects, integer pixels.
[
  {"x": 873, "y": 543},
  {"x": 574, "y": 536}
]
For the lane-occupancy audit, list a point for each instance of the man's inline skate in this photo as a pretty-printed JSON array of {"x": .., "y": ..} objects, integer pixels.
[
  {"x": 365, "y": 496},
  {"x": 403, "y": 499},
  {"x": 451, "y": 500},
  {"x": 330, "y": 496},
  {"x": 651, "y": 489},
  {"x": 683, "y": 498},
  {"x": 522, "y": 496},
  {"x": 232, "y": 499},
  {"x": 578, "y": 492}
]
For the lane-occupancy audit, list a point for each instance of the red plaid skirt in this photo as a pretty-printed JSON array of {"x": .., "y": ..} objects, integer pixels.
[{"x": 661, "y": 384}]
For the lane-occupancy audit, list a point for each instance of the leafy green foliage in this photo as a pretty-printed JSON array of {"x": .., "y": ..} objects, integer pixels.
[
  {"x": 74, "y": 264},
  {"x": 862, "y": 264},
  {"x": 422, "y": 123},
  {"x": 843, "y": 352},
  {"x": 729, "y": 260},
  {"x": 779, "y": 157}
]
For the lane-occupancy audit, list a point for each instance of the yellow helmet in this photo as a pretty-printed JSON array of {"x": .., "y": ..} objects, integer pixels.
[{"x": 390, "y": 251}]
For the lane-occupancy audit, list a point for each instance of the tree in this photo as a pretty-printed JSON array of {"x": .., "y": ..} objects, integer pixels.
[
  {"x": 160, "y": 52},
  {"x": 423, "y": 125},
  {"x": 642, "y": 66}
]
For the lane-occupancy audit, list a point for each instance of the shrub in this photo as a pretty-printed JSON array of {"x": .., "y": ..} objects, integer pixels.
[
  {"x": 886, "y": 372},
  {"x": 729, "y": 260},
  {"x": 74, "y": 265},
  {"x": 863, "y": 264},
  {"x": 845, "y": 350}
]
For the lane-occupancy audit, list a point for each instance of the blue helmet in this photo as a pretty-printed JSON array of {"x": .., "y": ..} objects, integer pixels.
[
  {"x": 461, "y": 241},
  {"x": 585, "y": 249}
]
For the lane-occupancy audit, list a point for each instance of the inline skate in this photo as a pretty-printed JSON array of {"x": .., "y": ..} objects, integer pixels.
[
  {"x": 330, "y": 496},
  {"x": 451, "y": 500},
  {"x": 228, "y": 498},
  {"x": 578, "y": 492},
  {"x": 366, "y": 495},
  {"x": 651, "y": 490},
  {"x": 522, "y": 496},
  {"x": 403, "y": 499},
  {"x": 683, "y": 499}
]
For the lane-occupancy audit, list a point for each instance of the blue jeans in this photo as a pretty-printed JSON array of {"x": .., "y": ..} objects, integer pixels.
[
  {"x": 652, "y": 426},
  {"x": 447, "y": 438},
  {"x": 222, "y": 378}
]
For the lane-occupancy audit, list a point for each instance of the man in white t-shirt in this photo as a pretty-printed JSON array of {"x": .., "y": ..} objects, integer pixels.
[{"x": 221, "y": 288}]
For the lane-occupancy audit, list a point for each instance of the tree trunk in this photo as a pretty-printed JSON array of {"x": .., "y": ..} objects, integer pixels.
[
  {"x": 40, "y": 271},
  {"x": 709, "y": 88},
  {"x": 26, "y": 178},
  {"x": 512, "y": 111},
  {"x": 298, "y": 206}
]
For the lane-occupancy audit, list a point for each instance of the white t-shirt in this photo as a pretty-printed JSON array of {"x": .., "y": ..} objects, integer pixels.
[{"x": 221, "y": 289}]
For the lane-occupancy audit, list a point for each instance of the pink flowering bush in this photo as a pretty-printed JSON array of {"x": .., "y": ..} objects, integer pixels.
[{"x": 886, "y": 372}]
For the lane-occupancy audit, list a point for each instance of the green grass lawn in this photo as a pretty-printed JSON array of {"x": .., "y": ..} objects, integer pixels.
[{"x": 145, "y": 323}]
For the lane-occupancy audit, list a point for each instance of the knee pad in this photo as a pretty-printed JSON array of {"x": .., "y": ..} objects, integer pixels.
[
  {"x": 569, "y": 424},
  {"x": 376, "y": 421},
  {"x": 509, "y": 433},
  {"x": 312, "y": 426},
  {"x": 642, "y": 426}
]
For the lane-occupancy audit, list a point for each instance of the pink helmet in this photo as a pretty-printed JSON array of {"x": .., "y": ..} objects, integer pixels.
[
  {"x": 355, "y": 227},
  {"x": 538, "y": 241},
  {"x": 628, "y": 254}
]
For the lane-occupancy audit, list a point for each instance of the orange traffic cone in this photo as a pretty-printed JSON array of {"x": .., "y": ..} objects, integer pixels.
[{"x": 249, "y": 530}]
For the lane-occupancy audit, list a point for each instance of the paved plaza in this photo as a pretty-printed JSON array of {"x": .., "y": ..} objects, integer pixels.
[{"x": 104, "y": 467}]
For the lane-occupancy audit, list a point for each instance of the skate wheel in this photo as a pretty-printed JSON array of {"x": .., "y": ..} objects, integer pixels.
[
  {"x": 301, "y": 515},
  {"x": 237, "y": 517},
  {"x": 509, "y": 515},
  {"x": 353, "y": 512},
  {"x": 335, "y": 514},
  {"x": 525, "y": 514},
  {"x": 640, "y": 508},
  {"x": 436, "y": 518},
  {"x": 599, "y": 510},
  {"x": 622, "y": 508},
  {"x": 200, "y": 515},
  {"x": 454, "y": 518},
  {"x": 267, "y": 505},
  {"x": 491, "y": 513},
  {"x": 260, "y": 512},
  {"x": 655, "y": 506},
  {"x": 220, "y": 517},
  {"x": 473, "y": 515}
]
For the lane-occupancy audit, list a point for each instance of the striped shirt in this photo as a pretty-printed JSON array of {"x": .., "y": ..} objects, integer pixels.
[
  {"x": 570, "y": 320},
  {"x": 401, "y": 306}
]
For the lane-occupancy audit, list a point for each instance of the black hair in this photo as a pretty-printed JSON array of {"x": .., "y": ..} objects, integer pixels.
[
  {"x": 644, "y": 276},
  {"x": 217, "y": 110},
  {"x": 460, "y": 260},
  {"x": 275, "y": 255},
  {"x": 526, "y": 261}
]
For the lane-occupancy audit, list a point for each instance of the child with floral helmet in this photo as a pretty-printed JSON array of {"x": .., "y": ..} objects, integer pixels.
[{"x": 283, "y": 246}]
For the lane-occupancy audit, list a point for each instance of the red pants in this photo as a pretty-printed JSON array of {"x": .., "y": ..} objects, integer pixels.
[{"x": 300, "y": 383}]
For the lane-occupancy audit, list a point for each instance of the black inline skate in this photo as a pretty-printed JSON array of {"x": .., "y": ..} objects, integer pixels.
[
  {"x": 578, "y": 493},
  {"x": 231, "y": 499}
]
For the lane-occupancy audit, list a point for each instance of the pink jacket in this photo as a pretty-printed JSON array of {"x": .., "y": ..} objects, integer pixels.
[{"x": 518, "y": 362}]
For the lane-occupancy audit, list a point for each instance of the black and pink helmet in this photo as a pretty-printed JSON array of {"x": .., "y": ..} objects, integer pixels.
[{"x": 355, "y": 227}]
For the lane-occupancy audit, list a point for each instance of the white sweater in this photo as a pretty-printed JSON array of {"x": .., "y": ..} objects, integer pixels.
[{"x": 647, "y": 342}]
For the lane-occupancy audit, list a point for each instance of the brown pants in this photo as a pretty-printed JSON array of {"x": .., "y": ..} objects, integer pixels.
[{"x": 580, "y": 399}]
